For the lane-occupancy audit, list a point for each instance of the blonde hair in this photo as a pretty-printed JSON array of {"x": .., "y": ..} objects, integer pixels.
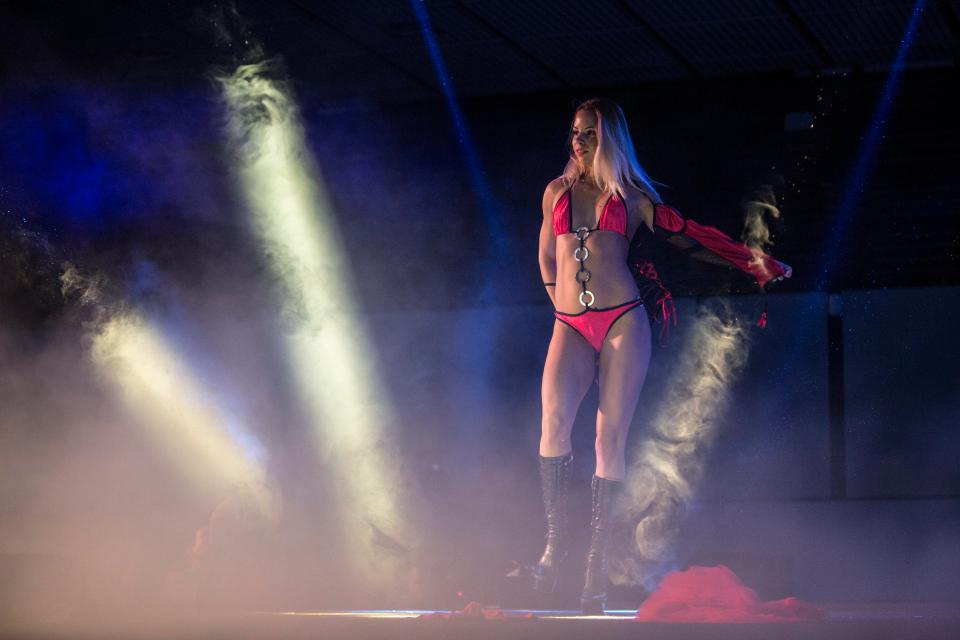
[{"x": 615, "y": 163}]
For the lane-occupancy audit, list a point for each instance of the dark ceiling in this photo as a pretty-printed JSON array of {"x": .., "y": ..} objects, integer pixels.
[{"x": 374, "y": 51}]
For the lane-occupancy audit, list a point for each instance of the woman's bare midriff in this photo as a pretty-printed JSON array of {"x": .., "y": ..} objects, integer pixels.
[{"x": 610, "y": 279}]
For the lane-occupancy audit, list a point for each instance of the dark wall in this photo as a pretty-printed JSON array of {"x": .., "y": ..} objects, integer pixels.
[{"x": 124, "y": 167}]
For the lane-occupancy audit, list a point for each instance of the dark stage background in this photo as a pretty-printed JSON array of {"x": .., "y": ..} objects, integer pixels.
[{"x": 835, "y": 472}]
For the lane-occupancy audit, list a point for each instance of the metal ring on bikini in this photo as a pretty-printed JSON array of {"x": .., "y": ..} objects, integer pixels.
[
  {"x": 583, "y": 233},
  {"x": 576, "y": 254},
  {"x": 587, "y": 292},
  {"x": 583, "y": 276}
]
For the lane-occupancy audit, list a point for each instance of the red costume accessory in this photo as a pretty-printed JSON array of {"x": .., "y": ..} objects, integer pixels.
[{"x": 703, "y": 243}]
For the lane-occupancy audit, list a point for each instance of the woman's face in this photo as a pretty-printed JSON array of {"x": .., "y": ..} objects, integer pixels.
[{"x": 584, "y": 137}]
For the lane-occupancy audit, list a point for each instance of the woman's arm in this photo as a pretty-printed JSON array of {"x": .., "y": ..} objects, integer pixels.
[
  {"x": 548, "y": 244},
  {"x": 711, "y": 245}
]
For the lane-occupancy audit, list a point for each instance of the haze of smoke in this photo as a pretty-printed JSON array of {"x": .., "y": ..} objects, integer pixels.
[
  {"x": 88, "y": 290},
  {"x": 756, "y": 231},
  {"x": 667, "y": 467}
]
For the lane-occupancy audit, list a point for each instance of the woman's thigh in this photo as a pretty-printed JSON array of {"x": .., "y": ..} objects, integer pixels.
[
  {"x": 624, "y": 360},
  {"x": 567, "y": 374}
]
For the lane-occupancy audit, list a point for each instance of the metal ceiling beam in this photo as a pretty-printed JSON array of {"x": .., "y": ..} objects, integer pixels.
[
  {"x": 660, "y": 39},
  {"x": 385, "y": 59},
  {"x": 553, "y": 73},
  {"x": 826, "y": 59}
]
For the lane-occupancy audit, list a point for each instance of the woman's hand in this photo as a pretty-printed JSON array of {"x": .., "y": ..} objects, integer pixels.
[{"x": 787, "y": 270}]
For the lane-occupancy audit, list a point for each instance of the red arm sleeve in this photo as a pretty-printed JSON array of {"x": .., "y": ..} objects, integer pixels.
[{"x": 709, "y": 244}]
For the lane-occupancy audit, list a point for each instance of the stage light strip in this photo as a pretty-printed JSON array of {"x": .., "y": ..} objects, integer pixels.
[{"x": 611, "y": 614}]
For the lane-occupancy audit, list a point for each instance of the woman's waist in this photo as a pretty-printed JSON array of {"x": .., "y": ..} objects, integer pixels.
[
  {"x": 572, "y": 297},
  {"x": 598, "y": 268}
]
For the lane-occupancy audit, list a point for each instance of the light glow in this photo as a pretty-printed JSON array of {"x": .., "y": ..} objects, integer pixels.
[
  {"x": 158, "y": 388},
  {"x": 334, "y": 370}
]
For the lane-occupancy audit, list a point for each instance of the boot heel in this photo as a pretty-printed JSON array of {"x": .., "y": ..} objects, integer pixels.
[
  {"x": 593, "y": 600},
  {"x": 545, "y": 582},
  {"x": 593, "y": 606}
]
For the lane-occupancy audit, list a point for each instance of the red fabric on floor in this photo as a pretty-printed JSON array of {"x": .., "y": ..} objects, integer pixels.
[
  {"x": 474, "y": 611},
  {"x": 715, "y": 594}
]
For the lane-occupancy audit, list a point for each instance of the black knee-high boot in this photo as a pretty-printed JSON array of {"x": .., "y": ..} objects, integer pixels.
[
  {"x": 555, "y": 475},
  {"x": 593, "y": 600}
]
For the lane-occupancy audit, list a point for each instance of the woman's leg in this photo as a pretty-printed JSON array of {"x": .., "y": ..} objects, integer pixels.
[
  {"x": 623, "y": 368},
  {"x": 567, "y": 375}
]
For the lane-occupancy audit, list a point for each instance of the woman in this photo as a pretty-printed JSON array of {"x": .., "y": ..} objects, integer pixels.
[{"x": 590, "y": 213}]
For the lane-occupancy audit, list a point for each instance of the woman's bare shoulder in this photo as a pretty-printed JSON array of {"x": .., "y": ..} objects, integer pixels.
[
  {"x": 641, "y": 204},
  {"x": 639, "y": 196},
  {"x": 554, "y": 188},
  {"x": 557, "y": 186}
]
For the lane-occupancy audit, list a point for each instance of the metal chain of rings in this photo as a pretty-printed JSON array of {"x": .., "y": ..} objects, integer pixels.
[{"x": 580, "y": 254}]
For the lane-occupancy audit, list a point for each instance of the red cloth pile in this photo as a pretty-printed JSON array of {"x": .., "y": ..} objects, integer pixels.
[
  {"x": 473, "y": 611},
  {"x": 715, "y": 594}
]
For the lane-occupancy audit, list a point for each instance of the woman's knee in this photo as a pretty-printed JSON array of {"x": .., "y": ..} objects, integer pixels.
[
  {"x": 556, "y": 421},
  {"x": 611, "y": 440},
  {"x": 555, "y": 434}
]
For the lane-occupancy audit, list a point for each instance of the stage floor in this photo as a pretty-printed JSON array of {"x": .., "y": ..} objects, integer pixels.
[{"x": 926, "y": 621}]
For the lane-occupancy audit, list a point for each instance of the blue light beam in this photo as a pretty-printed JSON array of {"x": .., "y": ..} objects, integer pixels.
[
  {"x": 478, "y": 178},
  {"x": 850, "y": 199}
]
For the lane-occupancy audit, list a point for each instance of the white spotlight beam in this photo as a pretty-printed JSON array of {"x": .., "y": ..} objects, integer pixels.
[
  {"x": 158, "y": 388},
  {"x": 328, "y": 352}
]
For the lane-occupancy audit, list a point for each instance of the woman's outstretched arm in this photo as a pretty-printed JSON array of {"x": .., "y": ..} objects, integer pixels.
[{"x": 709, "y": 244}]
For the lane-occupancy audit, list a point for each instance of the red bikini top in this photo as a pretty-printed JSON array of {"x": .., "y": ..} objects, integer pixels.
[{"x": 613, "y": 217}]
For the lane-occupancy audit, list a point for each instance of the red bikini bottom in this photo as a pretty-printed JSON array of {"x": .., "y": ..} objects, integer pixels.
[{"x": 594, "y": 324}]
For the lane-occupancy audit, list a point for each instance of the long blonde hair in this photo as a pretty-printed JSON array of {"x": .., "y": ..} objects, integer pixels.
[{"x": 615, "y": 163}]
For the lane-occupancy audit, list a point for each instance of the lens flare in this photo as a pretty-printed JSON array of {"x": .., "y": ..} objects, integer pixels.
[
  {"x": 666, "y": 468},
  {"x": 334, "y": 369}
]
